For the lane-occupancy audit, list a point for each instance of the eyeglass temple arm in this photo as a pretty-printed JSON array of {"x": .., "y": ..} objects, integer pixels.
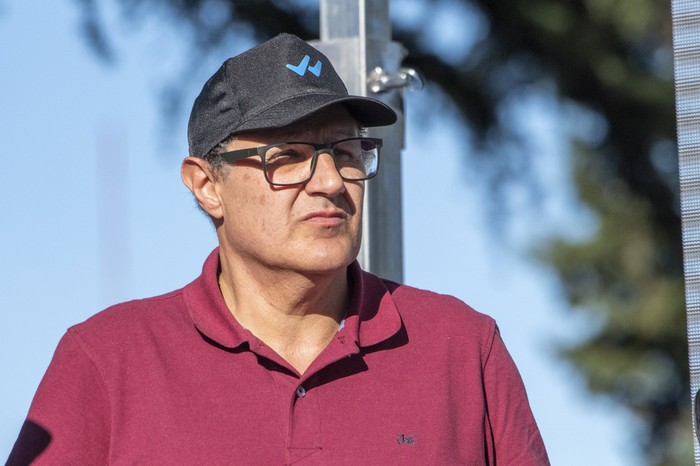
[{"x": 240, "y": 154}]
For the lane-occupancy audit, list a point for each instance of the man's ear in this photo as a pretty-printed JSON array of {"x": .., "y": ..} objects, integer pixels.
[{"x": 198, "y": 177}]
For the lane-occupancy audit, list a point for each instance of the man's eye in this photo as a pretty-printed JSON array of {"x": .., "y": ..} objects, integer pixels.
[
  {"x": 347, "y": 157},
  {"x": 284, "y": 156}
]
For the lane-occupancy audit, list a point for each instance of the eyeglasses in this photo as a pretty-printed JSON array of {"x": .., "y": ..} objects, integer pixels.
[{"x": 290, "y": 163}]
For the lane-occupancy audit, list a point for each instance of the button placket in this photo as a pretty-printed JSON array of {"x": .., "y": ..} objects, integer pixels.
[{"x": 304, "y": 422}]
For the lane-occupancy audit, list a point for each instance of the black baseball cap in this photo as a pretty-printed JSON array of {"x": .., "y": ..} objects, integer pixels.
[{"x": 270, "y": 86}]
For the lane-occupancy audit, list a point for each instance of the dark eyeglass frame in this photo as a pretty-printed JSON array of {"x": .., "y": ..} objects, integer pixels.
[{"x": 240, "y": 154}]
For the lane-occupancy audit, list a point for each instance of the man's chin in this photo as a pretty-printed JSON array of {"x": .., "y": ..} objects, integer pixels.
[{"x": 324, "y": 261}]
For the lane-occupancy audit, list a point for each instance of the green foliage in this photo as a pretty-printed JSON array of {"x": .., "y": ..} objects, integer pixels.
[
  {"x": 620, "y": 276},
  {"x": 611, "y": 58}
]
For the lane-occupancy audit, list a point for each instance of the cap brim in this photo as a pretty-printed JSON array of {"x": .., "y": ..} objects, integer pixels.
[{"x": 367, "y": 111}]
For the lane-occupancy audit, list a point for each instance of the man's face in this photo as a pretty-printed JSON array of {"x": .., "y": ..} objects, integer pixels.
[{"x": 313, "y": 227}]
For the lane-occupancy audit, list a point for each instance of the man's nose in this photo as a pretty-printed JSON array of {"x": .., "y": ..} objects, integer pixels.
[{"x": 326, "y": 179}]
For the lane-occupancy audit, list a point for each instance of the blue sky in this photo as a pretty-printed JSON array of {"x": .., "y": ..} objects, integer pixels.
[{"x": 94, "y": 213}]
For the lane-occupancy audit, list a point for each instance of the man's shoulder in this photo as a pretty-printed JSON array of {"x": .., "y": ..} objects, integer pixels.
[
  {"x": 133, "y": 317},
  {"x": 436, "y": 309},
  {"x": 436, "y": 323}
]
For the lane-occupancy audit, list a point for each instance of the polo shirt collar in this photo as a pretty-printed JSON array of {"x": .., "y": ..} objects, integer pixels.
[
  {"x": 372, "y": 316},
  {"x": 208, "y": 309}
]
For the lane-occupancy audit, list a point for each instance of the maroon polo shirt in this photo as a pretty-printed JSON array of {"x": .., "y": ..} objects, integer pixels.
[{"x": 413, "y": 377}]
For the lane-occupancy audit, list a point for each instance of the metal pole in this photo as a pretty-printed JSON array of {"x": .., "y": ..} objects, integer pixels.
[
  {"x": 686, "y": 53},
  {"x": 356, "y": 37}
]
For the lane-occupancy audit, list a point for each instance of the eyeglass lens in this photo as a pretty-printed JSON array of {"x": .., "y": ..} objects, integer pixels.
[{"x": 291, "y": 163}]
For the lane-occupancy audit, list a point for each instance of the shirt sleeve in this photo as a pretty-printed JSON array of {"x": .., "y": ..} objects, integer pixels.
[
  {"x": 516, "y": 438},
  {"x": 69, "y": 418}
]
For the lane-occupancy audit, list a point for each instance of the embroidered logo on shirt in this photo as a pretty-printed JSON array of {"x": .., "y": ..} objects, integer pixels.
[
  {"x": 406, "y": 439},
  {"x": 303, "y": 66}
]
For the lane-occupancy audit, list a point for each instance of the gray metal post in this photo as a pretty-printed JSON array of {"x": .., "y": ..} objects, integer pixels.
[
  {"x": 356, "y": 37},
  {"x": 686, "y": 51}
]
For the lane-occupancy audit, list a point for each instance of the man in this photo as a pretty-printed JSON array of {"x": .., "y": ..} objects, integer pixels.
[{"x": 283, "y": 351}]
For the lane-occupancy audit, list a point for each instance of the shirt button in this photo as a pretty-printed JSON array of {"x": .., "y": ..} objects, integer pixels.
[{"x": 301, "y": 392}]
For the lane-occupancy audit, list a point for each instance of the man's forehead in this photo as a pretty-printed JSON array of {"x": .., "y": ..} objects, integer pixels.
[{"x": 336, "y": 131}]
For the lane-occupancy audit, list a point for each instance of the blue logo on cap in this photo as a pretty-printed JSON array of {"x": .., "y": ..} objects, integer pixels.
[{"x": 301, "y": 68}]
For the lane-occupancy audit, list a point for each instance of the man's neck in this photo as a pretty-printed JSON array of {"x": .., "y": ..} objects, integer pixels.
[{"x": 295, "y": 314}]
